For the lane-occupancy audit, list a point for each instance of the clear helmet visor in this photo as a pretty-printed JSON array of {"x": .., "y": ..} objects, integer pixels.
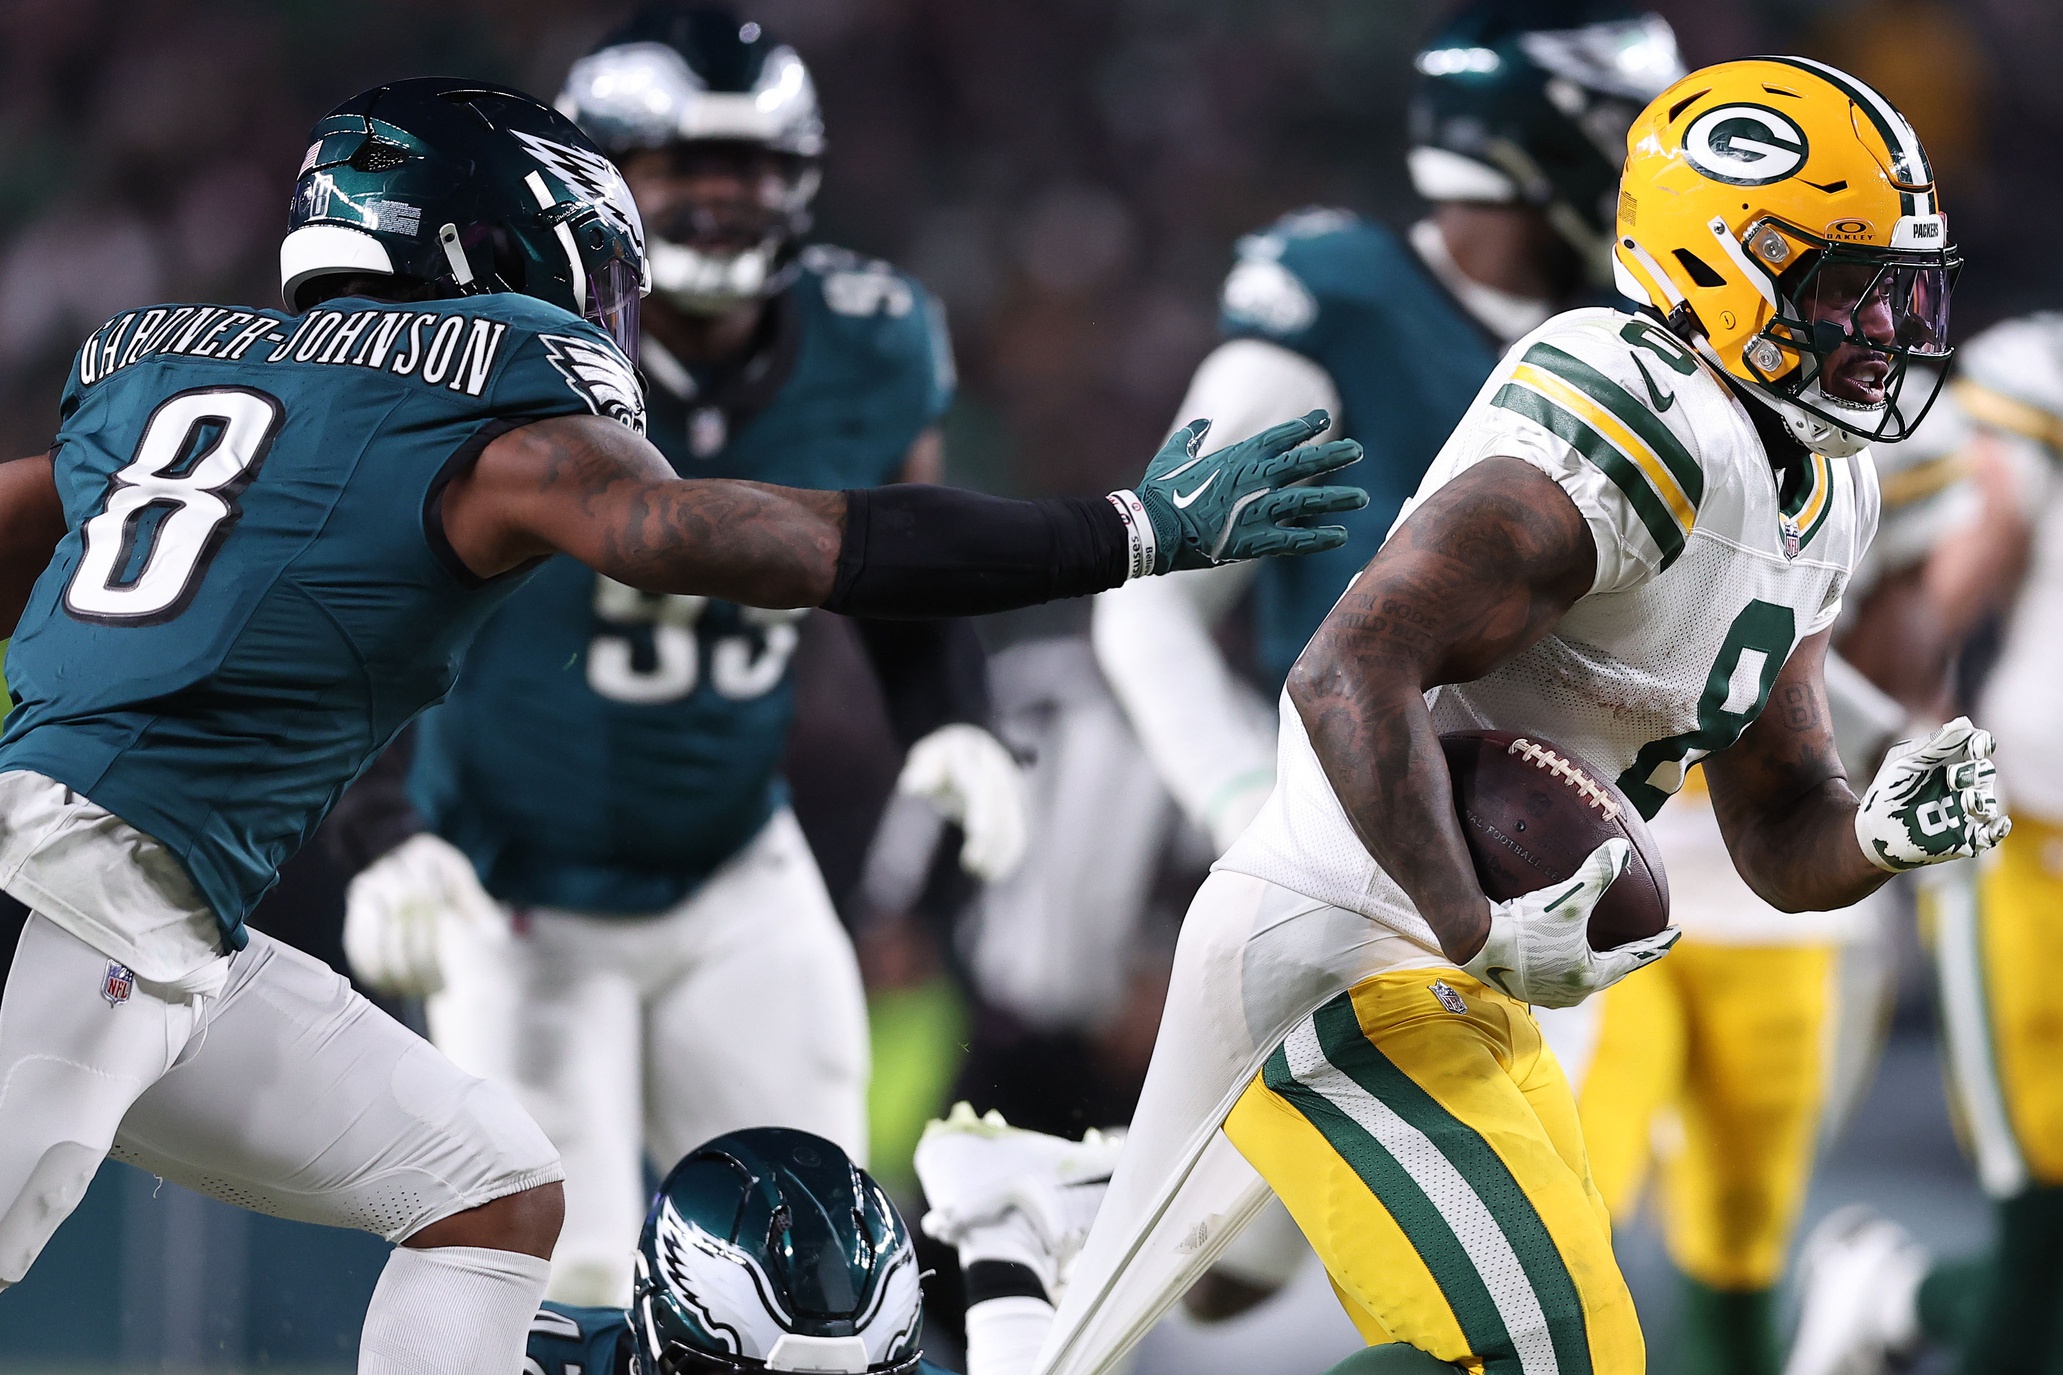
[
  {"x": 1897, "y": 307},
  {"x": 613, "y": 293}
]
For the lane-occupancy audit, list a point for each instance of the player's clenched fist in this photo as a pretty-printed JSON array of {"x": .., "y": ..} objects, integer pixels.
[
  {"x": 1933, "y": 800},
  {"x": 392, "y": 912}
]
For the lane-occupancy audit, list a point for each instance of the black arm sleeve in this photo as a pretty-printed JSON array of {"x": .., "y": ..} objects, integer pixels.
[
  {"x": 374, "y": 815},
  {"x": 912, "y": 550},
  {"x": 932, "y": 673}
]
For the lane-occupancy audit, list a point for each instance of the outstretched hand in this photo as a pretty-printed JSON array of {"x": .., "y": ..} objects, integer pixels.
[
  {"x": 1239, "y": 502},
  {"x": 1933, "y": 801}
]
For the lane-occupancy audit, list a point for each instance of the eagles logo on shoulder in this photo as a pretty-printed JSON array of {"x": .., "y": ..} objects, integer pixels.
[{"x": 601, "y": 376}]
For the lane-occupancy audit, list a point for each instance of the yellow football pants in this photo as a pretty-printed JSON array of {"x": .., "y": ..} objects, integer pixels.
[
  {"x": 1718, "y": 1056},
  {"x": 1422, "y": 1135},
  {"x": 2002, "y": 1004}
]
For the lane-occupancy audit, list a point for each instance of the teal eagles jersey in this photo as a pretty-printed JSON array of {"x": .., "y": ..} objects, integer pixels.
[
  {"x": 605, "y": 749},
  {"x": 253, "y": 594},
  {"x": 1407, "y": 360},
  {"x": 596, "y": 1341}
]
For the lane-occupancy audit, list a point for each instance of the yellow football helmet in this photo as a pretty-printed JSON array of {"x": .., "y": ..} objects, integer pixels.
[{"x": 1761, "y": 194}]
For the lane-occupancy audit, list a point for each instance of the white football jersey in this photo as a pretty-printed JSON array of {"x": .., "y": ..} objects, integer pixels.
[
  {"x": 1707, "y": 577},
  {"x": 2011, "y": 383},
  {"x": 1926, "y": 492}
]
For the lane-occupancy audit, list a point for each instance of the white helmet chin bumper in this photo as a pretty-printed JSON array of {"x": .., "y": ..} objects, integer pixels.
[
  {"x": 1817, "y": 432},
  {"x": 707, "y": 284},
  {"x": 327, "y": 250}
]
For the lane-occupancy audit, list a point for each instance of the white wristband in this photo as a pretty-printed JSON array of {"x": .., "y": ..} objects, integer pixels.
[{"x": 1145, "y": 551}]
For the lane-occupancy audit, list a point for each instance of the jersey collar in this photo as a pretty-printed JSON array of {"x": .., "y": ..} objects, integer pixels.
[{"x": 1507, "y": 317}]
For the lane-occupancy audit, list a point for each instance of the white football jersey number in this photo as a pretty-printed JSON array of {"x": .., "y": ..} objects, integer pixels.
[
  {"x": 177, "y": 499},
  {"x": 741, "y": 667}
]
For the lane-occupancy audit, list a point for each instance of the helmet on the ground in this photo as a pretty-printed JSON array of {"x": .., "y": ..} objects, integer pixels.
[
  {"x": 455, "y": 188},
  {"x": 679, "y": 74},
  {"x": 1760, "y": 191},
  {"x": 767, "y": 1250},
  {"x": 1528, "y": 102}
]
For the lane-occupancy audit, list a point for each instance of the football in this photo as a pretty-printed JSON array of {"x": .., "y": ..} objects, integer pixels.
[{"x": 1532, "y": 812}]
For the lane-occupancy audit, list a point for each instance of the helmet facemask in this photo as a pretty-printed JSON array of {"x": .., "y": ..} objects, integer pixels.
[
  {"x": 726, "y": 219},
  {"x": 1850, "y": 322},
  {"x": 722, "y": 152}
]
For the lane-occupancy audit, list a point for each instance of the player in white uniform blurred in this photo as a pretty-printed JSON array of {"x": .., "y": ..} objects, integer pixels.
[
  {"x": 1640, "y": 533},
  {"x": 1871, "y": 1293}
]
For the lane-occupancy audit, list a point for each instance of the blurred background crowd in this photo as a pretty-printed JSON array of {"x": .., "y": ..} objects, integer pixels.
[{"x": 1069, "y": 177}]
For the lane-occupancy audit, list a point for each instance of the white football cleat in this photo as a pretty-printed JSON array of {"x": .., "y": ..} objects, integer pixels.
[
  {"x": 1860, "y": 1278},
  {"x": 980, "y": 1171}
]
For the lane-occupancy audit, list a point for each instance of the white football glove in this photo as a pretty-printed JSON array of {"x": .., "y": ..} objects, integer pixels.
[
  {"x": 1538, "y": 949},
  {"x": 1933, "y": 801},
  {"x": 393, "y": 909},
  {"x": 966, "y": 774}
]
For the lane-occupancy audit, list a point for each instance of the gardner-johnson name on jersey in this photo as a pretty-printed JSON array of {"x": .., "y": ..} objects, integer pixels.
[{"x": 440, "y": 348}]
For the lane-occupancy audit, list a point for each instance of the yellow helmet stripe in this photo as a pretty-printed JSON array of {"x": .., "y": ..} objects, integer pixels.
[{"x": 1526, "y": 395}]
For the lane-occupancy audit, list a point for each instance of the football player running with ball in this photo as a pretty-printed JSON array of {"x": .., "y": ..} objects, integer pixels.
[
  {"x": 607, "y": 887},
  {"x": 262, "y": 542},
  {"x": 1518, "y": 128},
  {"x": 1638, "y": 536}
]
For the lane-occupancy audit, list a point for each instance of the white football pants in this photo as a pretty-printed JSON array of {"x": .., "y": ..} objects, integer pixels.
[
  {"x": 1253, "y": 960},
  {"x": 623, "y": 1036},
  {"x": 277, "y": 1089}
]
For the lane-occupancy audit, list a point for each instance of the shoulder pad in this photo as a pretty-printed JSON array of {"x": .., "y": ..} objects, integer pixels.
[
  {"x": 1285, "y": 274},
  {"x": 1608, "y": 384}
]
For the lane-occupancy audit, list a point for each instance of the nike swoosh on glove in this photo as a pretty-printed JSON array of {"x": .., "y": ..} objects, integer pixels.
[
  {"x": 1932, "y": 801},
  {"x": 1538, "y": 949},
  {"x": 973, "y": 781},
  {"x": 393, "y": 909},
  {"x": 1240, "y": 501}
]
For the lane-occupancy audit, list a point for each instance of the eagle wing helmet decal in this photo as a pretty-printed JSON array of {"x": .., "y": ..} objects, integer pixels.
[
  {"x": 721, "y": 1286},
  {"x": 601, "y": 375}
]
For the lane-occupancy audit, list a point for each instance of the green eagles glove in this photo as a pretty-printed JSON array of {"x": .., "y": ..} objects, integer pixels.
[
  {"x": 1933, "y": 800},
  {"x": 1193, "y": 510}
]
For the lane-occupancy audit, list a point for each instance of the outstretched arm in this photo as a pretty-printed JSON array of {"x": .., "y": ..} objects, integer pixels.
[
  {"x": 1783, "y": 800},
  {"x": 587, "y": 487},
  {"x": 31, "y": 524},
  {"x": 1483, "y": 569}
]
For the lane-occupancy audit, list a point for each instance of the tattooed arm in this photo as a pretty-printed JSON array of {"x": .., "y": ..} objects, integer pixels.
[
  {"x": 588, "y": 487},
  {"x": 1483, "y": 569},
  {"x": 1783, "y": 800}
]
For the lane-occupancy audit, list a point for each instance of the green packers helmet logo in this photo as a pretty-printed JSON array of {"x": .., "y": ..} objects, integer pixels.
[{"x": 1744, "y": 145}]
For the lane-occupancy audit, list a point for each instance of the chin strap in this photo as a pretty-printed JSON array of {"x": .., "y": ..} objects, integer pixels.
[{"x": 1816, "y": 433}]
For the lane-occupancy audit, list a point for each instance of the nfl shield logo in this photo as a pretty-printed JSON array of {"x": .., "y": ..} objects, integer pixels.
[
  {"x": 1790, "y": 529},
  {"x": 118, "y": 984}
]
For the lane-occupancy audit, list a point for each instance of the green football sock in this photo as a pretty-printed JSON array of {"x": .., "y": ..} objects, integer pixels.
[
  {"x": 1392, "y": 1358},
  {"x": 2014, "y": 1326},
  {"x": 1951, "y": 1300},
  {"x": 1726, "y": 1331}
]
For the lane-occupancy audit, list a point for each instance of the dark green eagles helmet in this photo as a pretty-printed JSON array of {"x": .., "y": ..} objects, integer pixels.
[
  {"x": 457, "y": 188},
  {"x": 1529, "y": 101},
  {"x": 767, "y": 1250},
  {"x": 698, "y": 75}
]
